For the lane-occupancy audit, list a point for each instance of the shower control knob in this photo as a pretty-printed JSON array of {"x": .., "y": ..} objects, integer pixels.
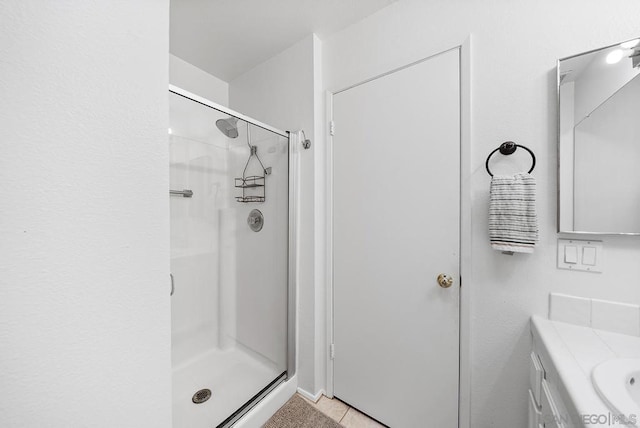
[
  {"x": 445, "y": 280},
  {"x": 255, "y": 220}
]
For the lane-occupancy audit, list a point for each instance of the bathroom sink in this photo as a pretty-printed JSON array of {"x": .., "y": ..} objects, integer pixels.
[{"x": 617, "y": 381}]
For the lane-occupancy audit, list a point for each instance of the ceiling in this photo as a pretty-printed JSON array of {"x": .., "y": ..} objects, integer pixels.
[{"x": 229, "y": 37}]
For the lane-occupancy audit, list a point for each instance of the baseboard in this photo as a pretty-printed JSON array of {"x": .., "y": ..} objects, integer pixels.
[{"x": 310, "y": 396}]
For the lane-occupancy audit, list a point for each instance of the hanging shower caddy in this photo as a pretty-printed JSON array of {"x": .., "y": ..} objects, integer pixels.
[{"x": 253, "y": 186}]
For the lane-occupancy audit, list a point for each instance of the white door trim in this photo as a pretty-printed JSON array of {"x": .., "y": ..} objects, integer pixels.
[{"x": 464, "y": 399}]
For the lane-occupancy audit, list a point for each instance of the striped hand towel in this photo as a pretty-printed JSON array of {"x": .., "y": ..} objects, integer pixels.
[{"x": 513, "y": 224}]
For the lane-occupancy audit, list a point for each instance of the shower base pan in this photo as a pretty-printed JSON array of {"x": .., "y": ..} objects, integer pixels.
[{"x": 235, "y": 377}]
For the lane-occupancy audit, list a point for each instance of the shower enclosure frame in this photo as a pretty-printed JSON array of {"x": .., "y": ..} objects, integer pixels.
[{"x": 291, "y": 248}]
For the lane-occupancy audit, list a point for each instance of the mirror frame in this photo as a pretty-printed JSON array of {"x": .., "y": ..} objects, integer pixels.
[{"x": 558, "y": 229}]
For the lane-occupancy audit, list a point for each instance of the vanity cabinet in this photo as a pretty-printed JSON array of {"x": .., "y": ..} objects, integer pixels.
[
  {"x": 545, "y": 411},
  {"x": 563, "y": 391}
]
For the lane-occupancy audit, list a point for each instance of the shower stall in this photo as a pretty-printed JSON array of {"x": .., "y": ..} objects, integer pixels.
[{"x": 231, "y": 270}]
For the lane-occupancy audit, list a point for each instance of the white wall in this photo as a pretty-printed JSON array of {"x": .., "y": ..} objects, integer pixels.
[
  {"x": 514, "y": 51},
  {"x": 280, "y": 92},
  {"x": 195, "y": 80},
  {"x": 84, "y": 290}
]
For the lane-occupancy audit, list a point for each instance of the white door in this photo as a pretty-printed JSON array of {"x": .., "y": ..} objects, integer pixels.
[{"x": 396, "y": 160}]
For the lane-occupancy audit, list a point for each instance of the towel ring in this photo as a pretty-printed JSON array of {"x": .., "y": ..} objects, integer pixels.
[{"x": 508, "y": 148}]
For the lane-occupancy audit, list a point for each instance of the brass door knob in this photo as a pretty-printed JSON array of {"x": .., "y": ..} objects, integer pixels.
[{"x": 445, "y": 280}]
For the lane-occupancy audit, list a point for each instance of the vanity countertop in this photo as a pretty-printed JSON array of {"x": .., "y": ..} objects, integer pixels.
[{"x": 570, "y": 352}]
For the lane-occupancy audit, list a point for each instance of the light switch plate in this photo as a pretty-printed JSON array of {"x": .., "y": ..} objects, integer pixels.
[
  {"x": 571, "y": 254},
  {"x": 589, "y": 255},
  {"x": 593, "y": 262}
]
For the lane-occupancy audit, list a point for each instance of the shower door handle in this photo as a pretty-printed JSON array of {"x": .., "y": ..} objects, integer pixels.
[{"x": 173, "y": 287}]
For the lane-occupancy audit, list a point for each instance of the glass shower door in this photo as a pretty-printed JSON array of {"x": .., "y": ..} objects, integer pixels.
[{"x": 229, "y": 204}]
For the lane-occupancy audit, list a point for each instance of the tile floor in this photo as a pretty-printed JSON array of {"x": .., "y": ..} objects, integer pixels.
[{"x": 346, "y": 416}]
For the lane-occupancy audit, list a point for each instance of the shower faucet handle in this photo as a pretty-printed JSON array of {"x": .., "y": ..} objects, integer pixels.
[{"x": 255, "y": 220}]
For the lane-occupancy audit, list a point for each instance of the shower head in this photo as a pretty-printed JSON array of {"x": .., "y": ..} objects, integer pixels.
[{"x": 228, "y": 126}]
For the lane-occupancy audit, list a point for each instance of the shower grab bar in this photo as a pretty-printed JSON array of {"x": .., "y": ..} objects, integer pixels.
[
  {"x": 186, "y": 193},
  {"x": 173, "y": 286}
]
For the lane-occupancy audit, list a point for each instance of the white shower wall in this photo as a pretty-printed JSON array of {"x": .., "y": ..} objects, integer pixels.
[
  {"x": 230, "y": 282},
  {"x": 261, "y": 272},
  {"x": 197, "y": 242},
  {"x": 229, "y": 308},
  {"x": 282, "y": 95}
]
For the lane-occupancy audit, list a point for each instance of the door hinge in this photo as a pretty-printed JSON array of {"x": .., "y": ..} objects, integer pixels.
[
  {"x": 332, "y": 351},
  {"x": 332, "y": 128}
]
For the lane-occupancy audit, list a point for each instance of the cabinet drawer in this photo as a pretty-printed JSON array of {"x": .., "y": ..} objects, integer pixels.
[
  {"x": 549, "y": 415},
  {"x": 536, "y": 374},
  {"x": 534, "y": 412}
]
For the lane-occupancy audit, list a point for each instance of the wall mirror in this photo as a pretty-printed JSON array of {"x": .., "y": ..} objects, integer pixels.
[{"x": 599, "y": 141}]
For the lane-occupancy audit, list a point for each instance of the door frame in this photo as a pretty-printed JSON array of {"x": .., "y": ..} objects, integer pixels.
[{"x": 464, "y": 349}]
